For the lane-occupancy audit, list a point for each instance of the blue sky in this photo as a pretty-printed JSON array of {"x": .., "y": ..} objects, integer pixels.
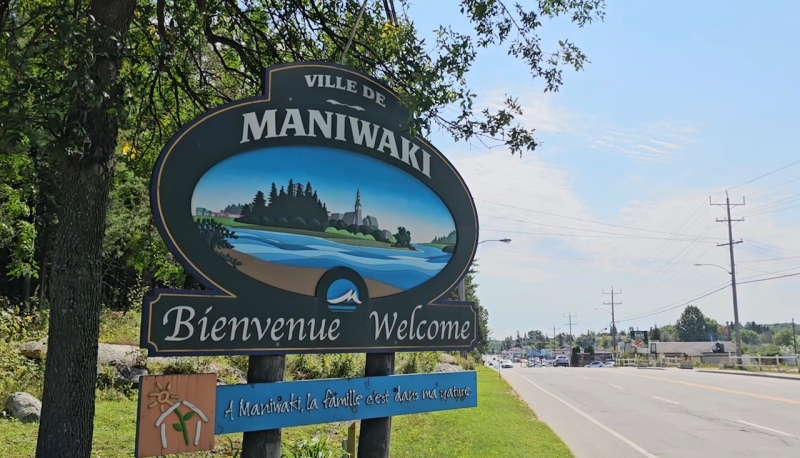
[
  {"x": 682, "y": 100},
  {"x": 393, "y": 197}
]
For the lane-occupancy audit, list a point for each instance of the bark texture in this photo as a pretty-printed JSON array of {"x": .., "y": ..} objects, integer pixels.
[{"x": 66, "y": 426}]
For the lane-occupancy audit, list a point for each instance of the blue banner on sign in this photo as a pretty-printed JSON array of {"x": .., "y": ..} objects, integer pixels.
[{"x": 254, "y": 407}]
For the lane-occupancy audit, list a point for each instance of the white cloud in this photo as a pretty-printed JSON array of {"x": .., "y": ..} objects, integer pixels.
[
  {"x": 532, "y": 282},
  {"x": 648, "y": 142}
]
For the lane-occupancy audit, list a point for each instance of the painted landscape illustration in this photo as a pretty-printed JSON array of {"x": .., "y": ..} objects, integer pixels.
[{"x": 285, "y": 216}]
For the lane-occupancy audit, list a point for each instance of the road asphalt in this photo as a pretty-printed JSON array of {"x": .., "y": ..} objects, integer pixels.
[{"x": 629, "y": 412}]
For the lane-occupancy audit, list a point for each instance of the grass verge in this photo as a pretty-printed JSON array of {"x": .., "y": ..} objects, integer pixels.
[{"x": 501, "y": 426}]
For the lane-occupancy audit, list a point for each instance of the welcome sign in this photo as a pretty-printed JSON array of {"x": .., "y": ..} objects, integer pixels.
[{"x": 317, "y": 222}]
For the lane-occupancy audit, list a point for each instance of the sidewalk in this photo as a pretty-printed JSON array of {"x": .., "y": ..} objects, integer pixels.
[{"x": 785, "y": 376}]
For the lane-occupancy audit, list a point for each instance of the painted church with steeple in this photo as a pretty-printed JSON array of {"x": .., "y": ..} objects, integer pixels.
[{"x": 355, "y": 216}]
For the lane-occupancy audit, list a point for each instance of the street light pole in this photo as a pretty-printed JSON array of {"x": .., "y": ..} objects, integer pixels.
[
  {"x": 462, "y": 286},
  {"x": 612, "y": 328},
  {"x": 736, "y": 326}
]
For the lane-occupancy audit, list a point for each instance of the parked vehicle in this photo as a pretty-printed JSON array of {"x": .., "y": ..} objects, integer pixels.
[{"x": 561, "y": 360}]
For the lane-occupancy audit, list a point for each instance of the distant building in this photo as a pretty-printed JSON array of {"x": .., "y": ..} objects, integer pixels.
[
  {"x": 354, "y": 217},
  {"x": 200, "y": 211},
  {"x": 371, "y": 221},
  {"x": 225, "y": 215}
]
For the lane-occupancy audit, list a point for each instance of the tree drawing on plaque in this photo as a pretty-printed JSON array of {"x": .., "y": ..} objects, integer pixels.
[{"x": 216, "y": 236}]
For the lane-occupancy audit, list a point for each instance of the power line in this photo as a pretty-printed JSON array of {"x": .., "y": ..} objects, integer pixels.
[
  {"x": 558, "y": 226},
  {"x": 770, "y": 278},
  {"x": 550, "y": 234},
  {"x": 670, "y": 241},
  {"x": 771, "y": 259},
  {"x": 775, "y": 211},
  {"x": 578, "y": 219},
  {"x": 773, "y": 187},
  {"x": 765, "y": 175},
  {"x": 774, "y": 204},
  {"x": 682, "y": 304}
]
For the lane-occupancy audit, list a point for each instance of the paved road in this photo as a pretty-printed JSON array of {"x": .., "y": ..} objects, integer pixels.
[{"x": 627, "y": 412}]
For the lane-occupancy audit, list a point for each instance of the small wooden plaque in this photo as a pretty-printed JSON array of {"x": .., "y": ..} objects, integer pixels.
[{"x": 176, "y": 414}]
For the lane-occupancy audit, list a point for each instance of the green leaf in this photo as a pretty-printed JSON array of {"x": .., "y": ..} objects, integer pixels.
[
  {"x": 188, "y": 415},
  {"x": 177, "y": 426}
]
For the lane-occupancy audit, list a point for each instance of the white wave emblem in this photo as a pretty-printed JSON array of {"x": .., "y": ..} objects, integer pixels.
[{"x": 351, "y": 296}]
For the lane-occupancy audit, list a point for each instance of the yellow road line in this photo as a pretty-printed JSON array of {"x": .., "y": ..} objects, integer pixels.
[{"x": 714, "y": 388}]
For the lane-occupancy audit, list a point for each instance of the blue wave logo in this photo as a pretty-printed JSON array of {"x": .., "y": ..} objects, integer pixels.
[{"x": 342, "y": 296}]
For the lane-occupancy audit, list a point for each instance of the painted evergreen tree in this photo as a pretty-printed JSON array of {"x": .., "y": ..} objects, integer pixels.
[
  {"x": 259, "y": 207},
  {"x": 273, "y": 193}
]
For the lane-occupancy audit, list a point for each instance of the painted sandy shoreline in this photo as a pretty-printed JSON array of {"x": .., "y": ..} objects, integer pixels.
[{"x": 300, "y": 280}]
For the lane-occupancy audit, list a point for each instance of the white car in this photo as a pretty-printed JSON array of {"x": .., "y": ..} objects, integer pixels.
[
  {"x": 594, "y": 364},
  {"x": 561, "y": 360},
  {"x": 506, "y": 363}
]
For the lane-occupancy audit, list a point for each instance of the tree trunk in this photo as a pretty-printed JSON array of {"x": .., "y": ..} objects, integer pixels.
[
  {"x": 375, "y": 438},
  {"x": 267, "y": 443},
  {"x": 66, "y": 425}
]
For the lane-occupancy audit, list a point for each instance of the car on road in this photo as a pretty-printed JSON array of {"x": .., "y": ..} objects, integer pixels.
[
  {"x": 594, "y": 364},
  {"x": 561, "y": 360},
  {"x": 506, "y": 363}
]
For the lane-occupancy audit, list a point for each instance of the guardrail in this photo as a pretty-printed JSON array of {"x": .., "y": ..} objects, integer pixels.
[{"x": 765, "y": 363}]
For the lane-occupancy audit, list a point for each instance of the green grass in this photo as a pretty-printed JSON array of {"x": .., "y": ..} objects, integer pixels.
[
  {"x": 501, "y": 426},
  {"x": 120, "y": 328}
]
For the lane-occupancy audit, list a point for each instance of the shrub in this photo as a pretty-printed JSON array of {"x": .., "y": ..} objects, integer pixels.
[
  {"x": 466, "y": 363},
  {"x": 314, "y": 448},
  {"x": 416, "y": 362},
  {"x": 18, "y": 373},
  {"x": 298, "y": 223},
  {"x": 314, "y": 223},
  {"x": 309, "y": 367}
]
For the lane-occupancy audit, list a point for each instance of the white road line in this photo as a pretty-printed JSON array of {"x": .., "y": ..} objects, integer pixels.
[
  {"x": 619, "y": 436},
  {"x": 587, "y": 378},
  {"x": 764, "y": 428},
  {"x": 616, "y": 386},
  {"x": 667, "y": 400}
]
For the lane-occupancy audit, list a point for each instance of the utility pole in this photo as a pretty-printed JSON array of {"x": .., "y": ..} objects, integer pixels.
[
  {"x": 736, "y": 325},
  {"x": 554, "y": 340},
  {"x": 570, "y": 317},
  {"x": 613, "y": 320},
  {"x": 794, "y": 340}
]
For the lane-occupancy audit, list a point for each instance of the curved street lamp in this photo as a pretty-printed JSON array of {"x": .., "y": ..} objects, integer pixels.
[
  {"x": 495, "y": 240},
  {"x": 714, "y": 265},
  {"x": 462, "y": 287}
]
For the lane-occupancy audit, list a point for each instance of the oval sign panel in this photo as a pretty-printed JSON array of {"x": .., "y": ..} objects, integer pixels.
[{"x": 317, "y": 222}]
